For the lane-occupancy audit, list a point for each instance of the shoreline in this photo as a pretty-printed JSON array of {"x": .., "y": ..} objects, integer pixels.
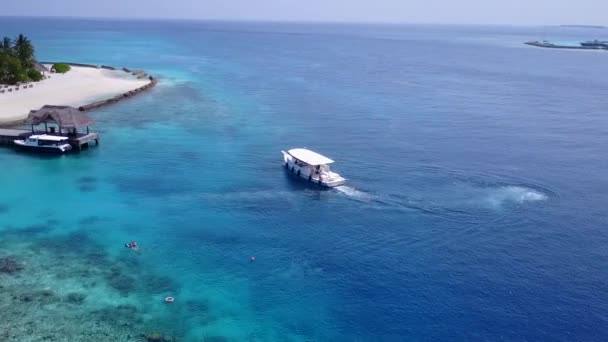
[{"x": 85, "y": 86}]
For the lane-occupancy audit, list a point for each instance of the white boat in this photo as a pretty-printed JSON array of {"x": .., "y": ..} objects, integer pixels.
[
  {"x": 44, "y": 143},
  {"x": 311, "y": 166}
]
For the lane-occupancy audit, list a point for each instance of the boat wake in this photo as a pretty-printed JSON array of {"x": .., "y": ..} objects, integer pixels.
[
  {"x": 354, "y": 193},
  {"x": 463, "y": 202},
  {"x": 514, "y": 194}
]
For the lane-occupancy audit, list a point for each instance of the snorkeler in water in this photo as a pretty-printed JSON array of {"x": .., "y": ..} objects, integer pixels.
[{"x": 132, "y": 245}]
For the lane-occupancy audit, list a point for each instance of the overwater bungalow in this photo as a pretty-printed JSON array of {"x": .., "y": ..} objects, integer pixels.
[{"x": 64, "y": 121}]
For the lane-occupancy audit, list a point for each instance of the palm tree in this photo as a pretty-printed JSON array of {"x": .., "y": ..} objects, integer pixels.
[
  {"x": 24, "y": 50},
  {"x": 7, "y": 46}
]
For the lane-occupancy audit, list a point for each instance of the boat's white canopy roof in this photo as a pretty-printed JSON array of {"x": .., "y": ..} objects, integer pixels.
[
  {"x": 309, "y": 157},
  {"x": 48, "y": 137}
]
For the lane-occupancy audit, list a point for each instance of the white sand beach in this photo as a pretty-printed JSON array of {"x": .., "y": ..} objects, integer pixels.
[{"x": 78, "y": 87}]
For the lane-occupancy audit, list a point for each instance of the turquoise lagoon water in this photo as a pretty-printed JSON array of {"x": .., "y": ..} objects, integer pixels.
[{"x": 474, "y": 210}]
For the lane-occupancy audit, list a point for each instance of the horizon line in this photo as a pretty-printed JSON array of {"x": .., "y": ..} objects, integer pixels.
[{"x": 287, "y": 21}]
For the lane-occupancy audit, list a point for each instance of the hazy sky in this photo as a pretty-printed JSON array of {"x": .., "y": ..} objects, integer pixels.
[{"x": 416, "y": 11}]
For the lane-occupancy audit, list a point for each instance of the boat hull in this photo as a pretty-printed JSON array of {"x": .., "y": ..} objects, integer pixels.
[
  {"x": 306, "y": 172},
  {"x": 42, "y": 149}
]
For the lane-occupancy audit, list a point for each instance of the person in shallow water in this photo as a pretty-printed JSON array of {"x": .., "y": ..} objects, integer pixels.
[{"x": 132, "y": 245}]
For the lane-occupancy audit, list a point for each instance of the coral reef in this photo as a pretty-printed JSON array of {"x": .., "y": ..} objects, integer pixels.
[
  {"x": 93, "y": 219},
  {"x": 199, "y": 309},
  {"x": 120, "y": 281},
  {"x": 87, "y": 179},
  {"x": 34, "y": 296},
  {"x": 49, "y": 300},
  {"x": 35, "y": 229},
  {"x": 118, "y": 316},
  {"x": 215, "y": 339},
  {"x": 75, "y": 298},
  {"x": 69, "y": 288},
  {"x": 87, "y": 184},
  {"x": 10, "y": 265},
  {"x": 158, "y": 337},
  {"x": 159, "y": 284},
  {"x": 87, "y": 187},
  {"x": 123, "y": 283}
]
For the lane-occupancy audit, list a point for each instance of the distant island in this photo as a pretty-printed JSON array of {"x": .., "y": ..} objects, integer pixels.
[
  {"x": 26, "y": 84},
  {"x": 584, "y": 26},
  {"x": 588, "y": 45}
]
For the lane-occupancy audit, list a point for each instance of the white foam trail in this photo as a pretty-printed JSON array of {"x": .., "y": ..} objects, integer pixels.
[
  {"x": 515, "y": 194},
  {"x": 254, "y": 196},
  {"x": 354, "y": 193}
]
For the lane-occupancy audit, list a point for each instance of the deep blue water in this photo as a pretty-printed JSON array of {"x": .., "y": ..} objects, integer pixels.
[{"x": 475, "y": 207}]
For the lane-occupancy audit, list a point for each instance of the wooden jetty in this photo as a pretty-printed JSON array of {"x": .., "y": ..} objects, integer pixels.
[
  {"x": 79, "y": 141},
  {"x": 57, "y": 120},
  {"x": 83, "y": 140},
  {"x": 8, "y": 135}
]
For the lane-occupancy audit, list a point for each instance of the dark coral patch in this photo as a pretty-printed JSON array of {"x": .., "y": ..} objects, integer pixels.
[
  {"x": 10, "y": 265},
  {"x": 87, "y": 183},
  {"x": 122, "y": 315},
  {"x": 97, "y": 257},
  {"x": 41, "y": 297},
  {"x": 158, "y": 337},
  {"x": 93, "y": 219},
  {"x": 81, "y": 241},
  {"x": 87, "y": 188},
  {"x": 197, "y": 306},
  {"x": 87, "y": 180},
  {"x": 52, "y": 222},
  {"x": 215, "y": 339},
  {"x": 78, "y": 242},
  {"x": 159, "y": 284},
  {"x": 29, "y": 231},
  {"x": 75, "y": 298},
  {"x": 122, "y": 283},
  {"x": 36, "y": 229}
]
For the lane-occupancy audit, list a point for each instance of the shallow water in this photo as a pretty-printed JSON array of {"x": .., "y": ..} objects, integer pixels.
[{"x": 474, "y": 208}]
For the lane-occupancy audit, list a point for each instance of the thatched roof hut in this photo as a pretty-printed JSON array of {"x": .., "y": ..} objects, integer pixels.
[
  {"x": 67, "y": 118},
  {"x": 40, "y": 67}
]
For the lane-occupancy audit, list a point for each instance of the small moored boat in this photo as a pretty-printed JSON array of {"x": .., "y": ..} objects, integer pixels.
[
  {"x": 44, "y": 143},
  {"x": 311, "y": 166}
]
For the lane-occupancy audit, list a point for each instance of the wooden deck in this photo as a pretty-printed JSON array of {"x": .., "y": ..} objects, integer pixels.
[
  {"x": 8, "y": 137},
  {"x": 83, "y": 140}
]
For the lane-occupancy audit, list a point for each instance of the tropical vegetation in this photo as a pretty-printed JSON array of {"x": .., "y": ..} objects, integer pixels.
[
  {"x": 61, "y": 68},
  {"x": 17, "y": 61}
]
